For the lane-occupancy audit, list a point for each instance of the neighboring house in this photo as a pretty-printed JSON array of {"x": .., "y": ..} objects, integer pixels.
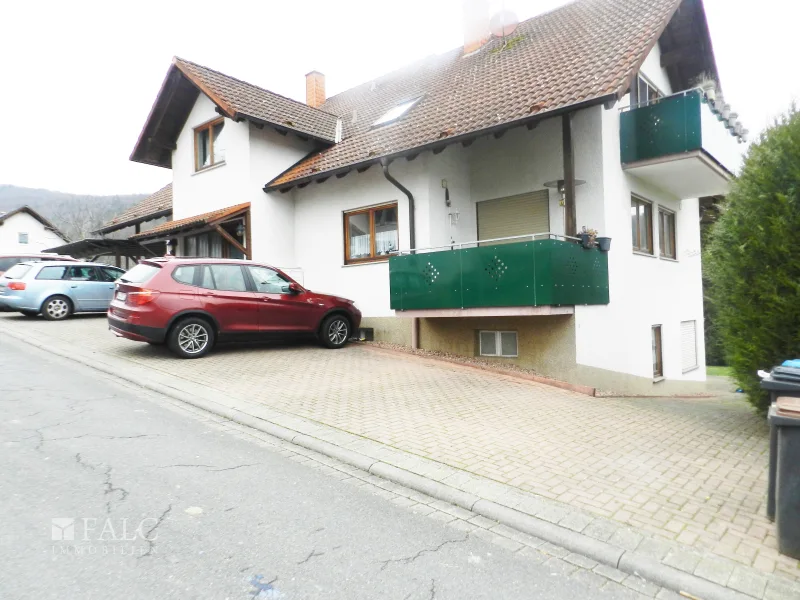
[
  {"x": 25, "y": 230},
  {"x": 588, "y": 115}
]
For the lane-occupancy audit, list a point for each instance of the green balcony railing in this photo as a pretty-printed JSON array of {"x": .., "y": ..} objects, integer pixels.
[
  {"x": 529, "y": 273},
  {"x": 682, "y": 123}
]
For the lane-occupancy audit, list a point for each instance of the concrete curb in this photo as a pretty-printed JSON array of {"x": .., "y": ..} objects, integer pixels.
[{"x": 602, "y": 552}]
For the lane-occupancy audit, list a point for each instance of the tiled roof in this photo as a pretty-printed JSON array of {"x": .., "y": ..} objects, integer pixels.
[
  {"x": 239, "y": 98},
  {"x": 583, "y": 52},
  {"x": 189, "y": 222},
  {"x": 152, "y": 207}
]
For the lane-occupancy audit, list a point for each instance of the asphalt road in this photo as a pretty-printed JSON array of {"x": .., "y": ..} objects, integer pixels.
[{"x": 109, "y": 491}]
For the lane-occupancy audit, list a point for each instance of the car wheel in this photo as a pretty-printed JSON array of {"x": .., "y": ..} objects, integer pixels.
[
  {"x": 335, "y": 331},
  {"x": 191, "y": 338},
  {"x": 57, "y": 308},
  {"x": 29, "y": 313}
]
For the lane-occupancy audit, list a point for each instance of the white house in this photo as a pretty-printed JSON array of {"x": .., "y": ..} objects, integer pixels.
[
  {"x": 590, "y": 115},
  {"x": 25, "y": 231}
]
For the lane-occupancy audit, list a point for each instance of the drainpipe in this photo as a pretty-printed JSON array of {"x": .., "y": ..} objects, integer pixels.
[
  {"x": 412, "y": 238},
  {"x": 412, "y": 242}
]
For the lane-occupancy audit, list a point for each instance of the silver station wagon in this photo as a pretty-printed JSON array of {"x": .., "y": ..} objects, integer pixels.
[{"x": 58, "y": 289}]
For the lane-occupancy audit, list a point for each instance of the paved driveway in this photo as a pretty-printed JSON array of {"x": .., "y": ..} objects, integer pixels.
[{"x": 693, "y": 471}]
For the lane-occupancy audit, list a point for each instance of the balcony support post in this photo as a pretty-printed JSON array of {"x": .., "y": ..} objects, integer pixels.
[
  {"x": 570, "y": 218},
  {"x": 415, "y": 333}
]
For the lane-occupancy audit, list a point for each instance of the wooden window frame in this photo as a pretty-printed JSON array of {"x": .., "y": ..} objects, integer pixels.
[
  {"x": 371, "y": 212},
  {"x": 208, "y": 126},
  {"x": 649, "y": 247},
  {"x": 663, "y": 214},
  {"x": 657, "y": 340}
]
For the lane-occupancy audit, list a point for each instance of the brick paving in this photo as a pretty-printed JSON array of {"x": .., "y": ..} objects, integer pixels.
[{"x": 688, "y": 471}]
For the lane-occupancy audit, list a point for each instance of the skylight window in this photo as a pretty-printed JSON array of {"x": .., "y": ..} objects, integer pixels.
[{"x": 393, "y": 114}]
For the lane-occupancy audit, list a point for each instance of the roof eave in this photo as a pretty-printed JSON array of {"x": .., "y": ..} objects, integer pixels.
[
  {"x": 131, "y": 222},
  {"x": 285, "y": 187}
]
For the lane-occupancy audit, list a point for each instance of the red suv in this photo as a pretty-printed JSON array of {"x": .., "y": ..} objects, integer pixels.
[{"x": 192, "y": 303}]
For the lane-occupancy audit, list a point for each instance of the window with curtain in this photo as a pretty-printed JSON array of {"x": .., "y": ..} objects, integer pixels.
[
  {"x": 666, "y": 234},
  {"x": 209, "y": 144},
  {"x": 642, "y": 225},
  {"x": 371, "y": 234}
]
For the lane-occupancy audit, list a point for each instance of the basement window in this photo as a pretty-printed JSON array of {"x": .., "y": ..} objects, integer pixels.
[
  {"x": 393, "y": 114},
  {"x": 498, "y": 343}
]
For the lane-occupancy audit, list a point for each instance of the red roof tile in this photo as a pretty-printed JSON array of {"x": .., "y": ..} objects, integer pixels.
[
  {"x": 239, "y": 98},
  {"x": 585, "y": 51},
  {"x": 152, "y": 207},
  {"x": 190, "y": 222}
]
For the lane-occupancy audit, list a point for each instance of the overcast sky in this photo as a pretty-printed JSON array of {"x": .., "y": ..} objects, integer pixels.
[{"x": 78, "y": 78}]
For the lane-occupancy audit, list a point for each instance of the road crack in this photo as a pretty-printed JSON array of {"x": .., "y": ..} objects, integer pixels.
[
  {"x": 109, "y": 489},
  {"x": 234, "y": 468},
  {"x": 409, "y": 559},
  {"x": 148, "y": 537},
  {"x": 313, "y": 554}
]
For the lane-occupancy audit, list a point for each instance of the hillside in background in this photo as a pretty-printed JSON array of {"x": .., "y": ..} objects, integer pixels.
[{"x": 75, "y": 215}]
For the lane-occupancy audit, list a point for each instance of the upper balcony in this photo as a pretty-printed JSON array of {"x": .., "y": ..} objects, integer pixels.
[
  {"x": 680, "y": 144},
  {"x": 527, "y": 276}
]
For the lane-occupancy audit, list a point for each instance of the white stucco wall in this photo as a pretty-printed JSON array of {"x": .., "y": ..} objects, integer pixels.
[
  {"x": 645, "y": 290},
  {"x": 319, "y": 231},
  {"x": 253, "y": 157},
  {"x": 652, "y": 70},
  {"x": 39, "y": 238},
  {"x": 273, "y": 221},
  {"x": 221, "y": 186}
]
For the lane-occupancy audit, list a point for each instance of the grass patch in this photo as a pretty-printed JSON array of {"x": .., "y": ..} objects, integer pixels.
[{"x": 719, "y": 371}]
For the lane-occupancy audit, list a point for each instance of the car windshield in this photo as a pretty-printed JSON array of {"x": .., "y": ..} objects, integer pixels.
[
  {"x": 139, "y": 274},
  {"x": 17, "y": 271}
]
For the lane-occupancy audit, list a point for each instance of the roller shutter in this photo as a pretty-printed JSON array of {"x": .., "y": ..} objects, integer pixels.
[
  {"x": 688, "y": 345},
  {"x": 515, "y": 215}
]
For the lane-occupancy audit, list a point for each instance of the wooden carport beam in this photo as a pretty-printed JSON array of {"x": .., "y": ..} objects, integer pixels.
[
  {"x": 233, "y": 241},
  {"x": 570, "y": 218}
]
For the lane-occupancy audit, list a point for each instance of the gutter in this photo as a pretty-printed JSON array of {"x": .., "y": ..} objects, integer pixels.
[{"x": 412, "y": 241}]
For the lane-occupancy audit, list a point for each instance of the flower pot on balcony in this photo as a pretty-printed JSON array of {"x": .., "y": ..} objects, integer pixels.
[
  {"x": 587, "y": 240},
  {"x": 604, "y": 243}
]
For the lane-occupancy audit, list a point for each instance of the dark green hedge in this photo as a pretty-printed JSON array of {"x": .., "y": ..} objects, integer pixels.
[{"x": 754, "y": 259}]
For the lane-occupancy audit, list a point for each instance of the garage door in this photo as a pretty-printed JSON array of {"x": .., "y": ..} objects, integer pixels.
[
  {"x": 515, "y": 215},
  {"x": 688, "y": 345}
]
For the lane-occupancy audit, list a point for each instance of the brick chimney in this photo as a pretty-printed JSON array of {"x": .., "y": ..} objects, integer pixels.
[
  {"x": 476, "y": 24},
  {"x": 315, "y": 89}
]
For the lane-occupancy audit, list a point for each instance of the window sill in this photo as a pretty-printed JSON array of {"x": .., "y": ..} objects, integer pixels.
[
  {"x": 689, "y": 370},
  {"x": 668, "y": 259},
  {"x": 366, "y": 262},
  {"x": 659, "y": 379},
  {"x": 647, "y": 254},
  {"x": 211, "y": 168}
]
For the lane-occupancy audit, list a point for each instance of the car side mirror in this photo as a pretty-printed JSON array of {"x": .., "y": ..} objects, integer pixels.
[{"x": 294, "y": 288}]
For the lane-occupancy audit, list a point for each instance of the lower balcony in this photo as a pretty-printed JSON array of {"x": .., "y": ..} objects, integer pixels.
[
  {"x": 526, "y": 277},
  {"x": 681, "y": 144}
]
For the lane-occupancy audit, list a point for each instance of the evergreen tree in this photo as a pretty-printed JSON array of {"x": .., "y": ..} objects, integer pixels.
[{"x": 754, "y": 259}]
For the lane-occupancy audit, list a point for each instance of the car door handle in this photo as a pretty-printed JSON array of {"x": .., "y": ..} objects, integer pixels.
[
  {"x": 73, "y": 286},
  {"x": 265, "y": 299}
]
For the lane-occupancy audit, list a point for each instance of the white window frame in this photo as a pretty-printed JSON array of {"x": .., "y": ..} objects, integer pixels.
[
  {"x": 498, "y": 343},
  {"x": 20, "y": 235}
]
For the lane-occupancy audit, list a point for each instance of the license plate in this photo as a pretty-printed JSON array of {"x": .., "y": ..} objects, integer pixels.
[{"x": 121, "y": 296}]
